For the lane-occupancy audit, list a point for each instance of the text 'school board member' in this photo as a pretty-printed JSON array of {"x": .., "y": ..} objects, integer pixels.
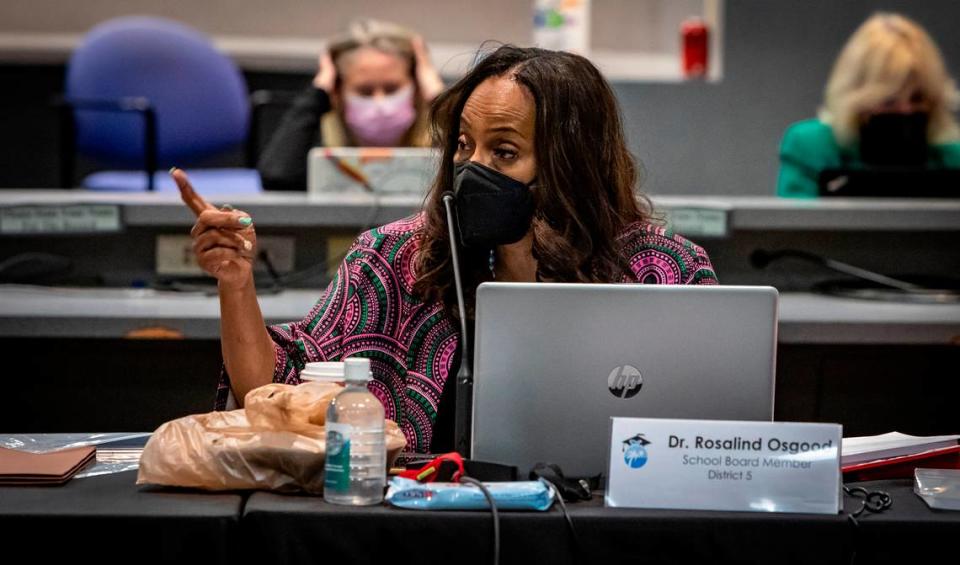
[
  {"x": 889, "y": 102},
  {"x": 540, "y": 130},
  {"x": 373, "y": 89}
]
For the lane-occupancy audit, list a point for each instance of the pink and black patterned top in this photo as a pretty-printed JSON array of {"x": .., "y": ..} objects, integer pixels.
[{"x": 370, "y": 307}]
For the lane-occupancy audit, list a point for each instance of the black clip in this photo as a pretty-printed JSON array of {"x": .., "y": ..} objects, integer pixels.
[
  {"x": 571, "y": 490},
  {"x": 873, "y": 501}
]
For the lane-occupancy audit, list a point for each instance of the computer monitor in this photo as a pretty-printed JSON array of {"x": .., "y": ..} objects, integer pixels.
[
  {"x": 381, "y": 170},
  {"x": 891, "y": 182},
  {"x": 554, "y": 362}
]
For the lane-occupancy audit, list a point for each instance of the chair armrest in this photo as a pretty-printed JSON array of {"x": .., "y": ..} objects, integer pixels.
[
  {"x": 138, "y": 105},
  {"x": 261, "y": 100}
]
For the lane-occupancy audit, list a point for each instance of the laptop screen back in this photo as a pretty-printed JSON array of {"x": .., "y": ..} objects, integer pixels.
[
  {"x": 891, "y": 182},
  {"x": 554, "y": 362},
  {"x": 381, "y": 170}
]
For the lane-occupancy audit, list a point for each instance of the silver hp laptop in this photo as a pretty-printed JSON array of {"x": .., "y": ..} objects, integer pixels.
[
  {"x": 553, "y": 363},
  {"x": 381, "y": 170}
]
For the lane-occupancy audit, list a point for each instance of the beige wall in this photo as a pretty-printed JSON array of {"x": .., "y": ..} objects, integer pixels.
[
  {"x": 643, "y": 25},
  {"x": 445, "y": 21}
]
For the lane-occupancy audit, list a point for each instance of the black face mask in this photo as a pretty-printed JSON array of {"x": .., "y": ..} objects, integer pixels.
[
  {"x": 894, "y": 140},
  {"x": 492, "y": 208}
]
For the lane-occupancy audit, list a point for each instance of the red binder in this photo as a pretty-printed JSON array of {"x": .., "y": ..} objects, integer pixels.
[{"x": 902, "y": 467}]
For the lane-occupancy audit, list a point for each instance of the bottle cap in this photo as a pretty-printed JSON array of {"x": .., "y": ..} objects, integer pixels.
[
  {"x": 357, "y": 369},
  {"x": 324, "y": 372}
]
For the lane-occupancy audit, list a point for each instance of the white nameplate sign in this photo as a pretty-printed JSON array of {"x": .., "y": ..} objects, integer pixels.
[
  {"x": 60, "y": 219},
  {"x": 699, "y": 222},
  {"x": 723, "y": 465}
]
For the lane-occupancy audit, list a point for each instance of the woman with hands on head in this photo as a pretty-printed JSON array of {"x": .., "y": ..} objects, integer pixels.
[
  {"x": 373, "y": 88},
  {"x": 534, "y": 150}
]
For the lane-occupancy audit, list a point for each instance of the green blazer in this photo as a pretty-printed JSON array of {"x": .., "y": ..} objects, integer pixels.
[{"x": 809, "y": 147}]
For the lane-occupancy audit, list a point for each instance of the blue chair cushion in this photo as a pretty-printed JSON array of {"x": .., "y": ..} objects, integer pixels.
[
  {"x": 198, "y": 93},
  {"x": 208, "y": 182}
]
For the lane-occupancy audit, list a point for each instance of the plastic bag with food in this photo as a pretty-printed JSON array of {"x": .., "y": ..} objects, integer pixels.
[{"x": 276, "y": 442}]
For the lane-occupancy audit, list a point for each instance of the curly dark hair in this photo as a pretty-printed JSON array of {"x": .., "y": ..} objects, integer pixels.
[{"x": 585, "y": 175}]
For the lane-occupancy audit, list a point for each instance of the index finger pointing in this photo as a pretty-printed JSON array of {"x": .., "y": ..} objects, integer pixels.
[{"x": 194, "y": 201}]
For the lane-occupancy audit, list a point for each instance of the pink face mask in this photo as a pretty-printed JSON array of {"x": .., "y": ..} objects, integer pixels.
[{"x": 380, "y": 122}]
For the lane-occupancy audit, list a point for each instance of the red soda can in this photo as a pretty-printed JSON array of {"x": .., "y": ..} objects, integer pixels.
[{"x": 693, "y": 39}]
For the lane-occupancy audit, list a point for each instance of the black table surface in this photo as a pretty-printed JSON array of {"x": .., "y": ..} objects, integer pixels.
[
  {"x": 149, "y": 524},
  {"x": 110, "y": 514},
  {"x": 315, "y": 530},
  {"x": 909, "y": 532},
  {"x": 306, "y": 529}
]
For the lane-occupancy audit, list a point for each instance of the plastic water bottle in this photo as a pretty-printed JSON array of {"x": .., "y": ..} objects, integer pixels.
[{"x": 356, "y": 466}]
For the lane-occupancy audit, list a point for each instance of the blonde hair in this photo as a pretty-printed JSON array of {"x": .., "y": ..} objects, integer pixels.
[
  {"x": 386, "y": 37},
  {"x": 886, "y": 54}
]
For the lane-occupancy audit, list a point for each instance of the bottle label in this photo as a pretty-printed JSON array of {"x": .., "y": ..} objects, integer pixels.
[{"x": 337, "y": 472}]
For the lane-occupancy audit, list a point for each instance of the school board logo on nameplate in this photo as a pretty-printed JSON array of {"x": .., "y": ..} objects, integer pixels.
[
  {"x": 724, "y": 465},
  {"x": 635, "y": 451}
]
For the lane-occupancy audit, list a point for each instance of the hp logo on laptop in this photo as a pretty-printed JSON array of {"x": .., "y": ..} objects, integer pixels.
[{"x": 625, "y": 381}]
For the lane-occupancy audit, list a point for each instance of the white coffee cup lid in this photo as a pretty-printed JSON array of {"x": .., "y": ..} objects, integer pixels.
[{"x": 324, "y": 371}]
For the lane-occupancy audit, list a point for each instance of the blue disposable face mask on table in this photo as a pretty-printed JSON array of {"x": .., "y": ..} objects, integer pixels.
[{"x": 513, "y": 495}]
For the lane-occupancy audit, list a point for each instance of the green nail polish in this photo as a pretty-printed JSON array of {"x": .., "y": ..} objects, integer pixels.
[{"x": 245, "y": 221}]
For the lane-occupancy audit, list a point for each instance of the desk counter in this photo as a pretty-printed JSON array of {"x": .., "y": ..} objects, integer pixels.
[
  {"x": 111, "y": 313},
  {"x": 279, "y": 209}
]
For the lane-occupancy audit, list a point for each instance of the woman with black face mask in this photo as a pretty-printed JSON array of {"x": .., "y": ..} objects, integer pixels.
[
  {"x": 534, "y": 150},
  {"x": 888, "y": 103}
]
